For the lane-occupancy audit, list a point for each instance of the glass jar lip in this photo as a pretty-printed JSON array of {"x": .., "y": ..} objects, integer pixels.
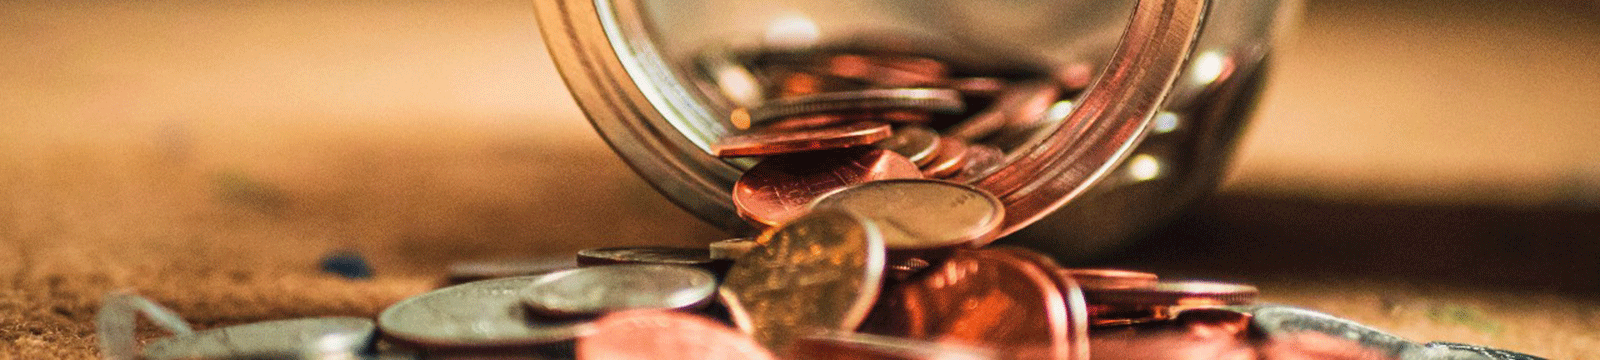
[{"x": 647, "y": 114}]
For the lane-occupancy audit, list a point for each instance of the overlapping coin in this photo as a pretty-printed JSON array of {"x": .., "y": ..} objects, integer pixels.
[{"x": 596, "y": 290}]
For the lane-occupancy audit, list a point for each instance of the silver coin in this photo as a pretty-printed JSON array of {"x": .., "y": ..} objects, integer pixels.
[
  {"x": 601, "y": 289},
  {"x": 934, "y": 100},
  {"x": 922, "y": 214},
  {"x": 916, "y": 143},
  {"x": 731, "y": 249},
  {"x": 479, "y": 314},
  {"x": 271, "y": 339}
]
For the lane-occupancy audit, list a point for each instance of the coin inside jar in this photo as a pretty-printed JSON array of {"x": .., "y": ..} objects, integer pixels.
[
  {"x": 764, "y": 143},
  {"x": 599, "y": 289},
  {"x": 780, "y": 187},
  {"x": 821, "y": 271},
  {"x": 664, "y": 335},
  {"x": 922, "y": 214},
  {"x": 934, "y": 100},
  {"x": 916, "y": 143},
  {"x": 267, "y": 339},
  {"x": 482, "y": 314},
  {"x": 1175, "y": 293}
]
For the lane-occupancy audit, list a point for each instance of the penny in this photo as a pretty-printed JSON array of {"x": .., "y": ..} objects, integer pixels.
[
  {"x": 922, "y": 214},
  {"x": 856, "y": 346},
  {"x": 1110, "y": 278},
  {"x": 663, "y": 255},
  {"x": 469, "y": 271},
  {"x": 268, "y": 339},
  {"x": 997, "y": 297},
  {"x": 600, "y": 289},
  {"x": 977, "y": 86},
  {"x": 948, "y": 158},
  {"x": 482, "y": 314},
  {"x": 925, "y": 99},
  {"x": 814, "y": 121},
  {"x": 916, "y": 143},
  {"x": 819, "y": 272},
  {"x": 888, "y": 70},
  {"x": 1175, "y": 293},
  {"x": 1020, "y": 105},
  {"x": 731, "y": 249},
  {"x": 781, "y": 187},
  {"x": 664, "y": 335},
  {"x": 763, "y": 143}
]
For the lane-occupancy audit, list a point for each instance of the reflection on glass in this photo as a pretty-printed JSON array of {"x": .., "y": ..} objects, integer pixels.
[{"x": 1144, "y": 167}]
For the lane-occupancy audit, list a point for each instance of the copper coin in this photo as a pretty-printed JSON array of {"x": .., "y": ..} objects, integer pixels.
[
  {"x": 1110, "y": 278},
  {"x": 919, "y": 214},
  {"x": 977, "y": 86},
  {"x": 469, "y": 271},
  {"x": 896, "y": 71},
  {"x": 731, "y": 249},
  {"x": 600, "y": 289},
  {"x": 814, "y": 121},
  {"x": 663, "y": 335},
  {"x": 924, "y": 99},
  {"x": 948, "y": 159},
  {"x": 780, "y": 188},
  {"x": 916, "y": 143},
  {"x": 995, "y": 297},
  {"x": 661, "y": 255},
  {"x": 1176, "y": 293},
  {"x": 820, "y": 272},
  {"x": 764, "y": 143},
  {"x": 981, "y": 161},
  {"x": 856, "y": 346},
  {"x": 1020, "y": 105}
]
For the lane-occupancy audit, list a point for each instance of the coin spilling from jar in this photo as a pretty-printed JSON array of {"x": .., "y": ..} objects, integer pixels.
[{"x": 871, "y": 247}]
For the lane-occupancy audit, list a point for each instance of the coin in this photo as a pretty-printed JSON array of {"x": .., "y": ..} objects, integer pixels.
[
  {"x": 916, "y": 143},
  {"x": 996, "y": 297},
  {"x": 781, "y": 187},
  {"x": 977, "y": 86},
  {"x": 269, "y": 339},
  {"x": 820, "y": 271},
  {"x": 1110, "y": 278},
  {"x": 925, "y": 99},
  {"x": 981, "y": 160},
  {"x": 887, "y": 70},
  {"x": 663, "y": 255},
  {"x": 731, "y": 249},
  {"x": 600, "y": 289},
  {"x": 922, "y": 214},
  {"x": 1021, "y": 104},
  {"x": 663, "y": 335},
  {"x": 856, "y": 346},
  {"x": 1175, "y": 293},
  {"x": 763, "y": 143},
  {"x": 948, "y": 159},
  {"x": 482, "y": 314},
  {"x": 469, "y": 271}
]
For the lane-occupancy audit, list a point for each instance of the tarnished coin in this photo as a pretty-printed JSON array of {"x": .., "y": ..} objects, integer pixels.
[
  {"x": 780, "y": 187},
  {"x": 995, "y": 297},
  {"x": 663, "y": 255},
  {"x": 469, "y": 271},
  {"x": 1110, "y": 278},
  {"x": 264, "y": 340},
  {"x": 855, "y": 346},
  {"x": 600, "y": 289},
  {"x": 820, "y": 272},
  {"x": 922, "y": 214},
  {"x": 664, "y": 335},
  {"x": 482, "y": 314},
  {"x": 764, "y": 143},
  {"x": 916, "y": 143},
  {"x": 925, "y": 99},
  {"x": 731, "y": 249},
  {"x": 1175, "y": 293},
  {"x": 948, "y": 159}
]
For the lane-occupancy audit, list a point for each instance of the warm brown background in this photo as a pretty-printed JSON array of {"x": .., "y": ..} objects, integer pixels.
[{"x": 1428, "y": 167}]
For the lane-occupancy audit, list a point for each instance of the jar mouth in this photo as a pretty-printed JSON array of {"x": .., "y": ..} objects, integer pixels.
[{"x": 663, "y": 126}]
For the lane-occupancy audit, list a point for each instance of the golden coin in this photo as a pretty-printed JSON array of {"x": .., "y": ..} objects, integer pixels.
[
  {"x": 922, "y": 214},
  {"x": 821, "y": 272}
]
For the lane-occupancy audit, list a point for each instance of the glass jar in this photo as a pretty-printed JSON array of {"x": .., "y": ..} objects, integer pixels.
[{"x": 1167, "y": 87}]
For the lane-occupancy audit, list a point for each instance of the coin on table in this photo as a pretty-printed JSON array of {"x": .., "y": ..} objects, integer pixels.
[
  {"x": 993, "y": 297},
  {"x": 780, "y": 187},
  {"x": 765, "y": 143},
  {"x": 664, "y": 335},
  {"x": 1110, "y": 278},
  {"x": 857, "y": 346},
  {"x": 916, "y": 143},
  {"x": 482, "y": 314},
  {"x": 1176, "y": 293},
  {"x": 926, "y": 99},
  {"x": 820, "y": 271},
  {"x": 661, "y": 255},
  {"x": 600, "y": 289},
  {"x": 731, "y": 249},
  {"x": 469, "y": 271},
  {"x": 270, "y": 339},
  {"x": 918, "y": 214}
]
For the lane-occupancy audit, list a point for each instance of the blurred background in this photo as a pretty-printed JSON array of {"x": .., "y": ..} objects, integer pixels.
[{"x": 208, "y": 153}]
